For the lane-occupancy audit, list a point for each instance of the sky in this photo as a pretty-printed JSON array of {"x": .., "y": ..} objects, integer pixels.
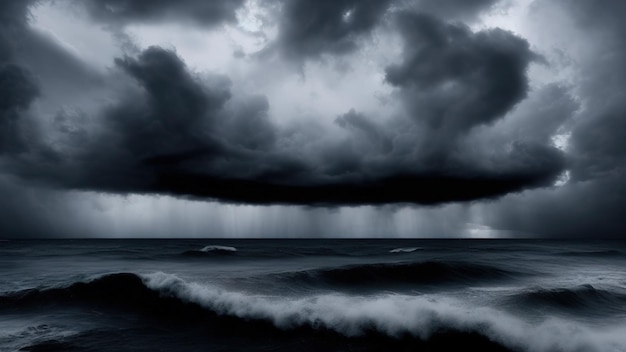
[{"x": 312, "y": 118}]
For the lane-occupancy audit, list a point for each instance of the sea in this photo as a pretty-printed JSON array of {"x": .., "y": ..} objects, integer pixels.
[{"x": 312, "y": 295}]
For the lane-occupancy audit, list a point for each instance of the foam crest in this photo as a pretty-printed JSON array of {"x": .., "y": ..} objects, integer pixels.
[
  {"x": 211, "y": 251},
  {"x": 214, "y": 248},
  {"x": 395, "y": 315},
  {"x": 405, "y": 250}
]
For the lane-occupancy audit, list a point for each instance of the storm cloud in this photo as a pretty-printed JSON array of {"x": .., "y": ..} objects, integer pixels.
[
  {"x": 205, "y": 13},
  {"x": 17, "y": 91},
  {"x": 453, "y": 79},
  {"x": 452, "y": 9},
  {"x": 174, "y": 134},
  {"x": 18, "y": 87},
  {"x": 594, "y": 199},
  {"x": 310, "y": 28},
  {"x": 459, "y": 113}
]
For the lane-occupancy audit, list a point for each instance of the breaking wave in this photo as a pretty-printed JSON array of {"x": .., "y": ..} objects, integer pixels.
[
  {"x": 211, "y": 250},
  {"x": 393, "y": 316}
]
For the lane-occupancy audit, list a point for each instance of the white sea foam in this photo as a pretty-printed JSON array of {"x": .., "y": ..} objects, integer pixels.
[
  {"x": 218, "y": 249},
  {"x": 405, "y": 250},
  {"x": 396, "y": 314}
]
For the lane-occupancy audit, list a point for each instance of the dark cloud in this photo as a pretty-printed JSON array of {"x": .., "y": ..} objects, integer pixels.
[
  {"x": 451, "y": 9},
  {"x": 175, "y": 99},
  {"x": 599, "y": 132},
  {"x": 18, "y": 87},
  {"x": 248, "y": 124},
  {"x": 310, "y": 28},
  {"x": 469, "y": 126},
  {"x": 172, "y": 131},
  {"x": 39, "y": 52},
  {"x": 13, "y": 18},
  {"x": 14, "y": 15},
  {"x": 175, "y": 133},
  {"x": 453, "y": 79},
  {"x": 598, "y": 138},
  {"x": 24, "y": 210},
  {"x": 60, "y": 74},
  {"x": 163, "y": 124},
  {"x": 369, "y": 132},
  {"x": 578, "y": 209},
  {"x": 206, "y": 13},
  {"x": 17, "y": 91},
  {"x": 592, "y": 203},
  {"x": 14, "y": 12},
  {"x": 546, "y": 113}
]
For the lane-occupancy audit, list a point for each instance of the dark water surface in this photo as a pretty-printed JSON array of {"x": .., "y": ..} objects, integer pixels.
[{"x": 312, "y": 295}]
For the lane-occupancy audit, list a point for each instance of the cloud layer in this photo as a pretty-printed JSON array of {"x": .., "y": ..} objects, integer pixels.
[
  {"x": 459, "y": 119},
  {"x": 205, "y": 13}
]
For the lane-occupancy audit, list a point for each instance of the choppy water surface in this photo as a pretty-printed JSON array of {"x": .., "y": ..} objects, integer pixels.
[{"x": 312, "y": 295}]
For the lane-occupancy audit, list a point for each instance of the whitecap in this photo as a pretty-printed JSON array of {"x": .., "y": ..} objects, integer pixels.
[
  {"x": 214, "y": 248},
  {"x": 397, "y": 314},
  {"x": 405, "y": 250}
]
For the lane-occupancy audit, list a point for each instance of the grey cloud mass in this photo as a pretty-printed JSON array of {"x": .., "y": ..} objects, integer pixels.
[
  {"x": 598, "y": 137},
  {"x": 454, "y": 79},
  {"x": 18, "y": 87},
  {"x": 310, "y": 28},
  {"x": 464, "y": 121},
  {"x": 592, "y": 203},
  {"x": 174, "y": 133},
  {"x": 452, "y": 9},
  {"x": 205, "y": 13},
  {"x": 17, "y": 91}
]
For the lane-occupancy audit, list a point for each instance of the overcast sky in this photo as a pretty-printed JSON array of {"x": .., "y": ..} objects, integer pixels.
[{"x": 292, "y": 118}]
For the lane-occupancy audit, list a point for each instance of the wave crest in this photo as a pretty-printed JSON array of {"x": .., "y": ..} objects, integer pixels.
[
  {"x": 393, "y": 315},
  {"x": 405, "y": 250},
  {"x": 211, "y": 251}
]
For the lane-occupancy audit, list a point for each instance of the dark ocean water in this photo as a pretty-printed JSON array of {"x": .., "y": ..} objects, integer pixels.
[{"x": 312, "y": 295}]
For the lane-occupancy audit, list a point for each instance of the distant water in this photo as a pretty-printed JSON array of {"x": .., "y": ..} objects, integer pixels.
[{"x": 312, "y": 295}]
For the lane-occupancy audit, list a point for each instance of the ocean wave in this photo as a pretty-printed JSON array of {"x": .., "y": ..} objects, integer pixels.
[
  {"x": 404, "y": 273},
  {"x": 583, "y": 297},
  {"x": 393, "y": 315}
]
